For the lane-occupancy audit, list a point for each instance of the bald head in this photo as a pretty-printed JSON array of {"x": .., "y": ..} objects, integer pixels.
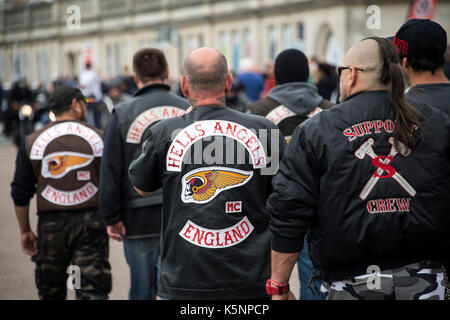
[
  {"x": 206, "y": 70},
  {"x": 369, "y": 63},
  {"x": 365, "y": 55}
]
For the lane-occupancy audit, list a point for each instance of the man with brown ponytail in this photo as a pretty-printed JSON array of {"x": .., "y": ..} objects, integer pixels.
[
  {"x": 367, "y": 180},
  {"x": 421, "y": 44}
]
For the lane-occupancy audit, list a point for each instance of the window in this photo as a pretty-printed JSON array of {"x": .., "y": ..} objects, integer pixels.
[
  {"x": 110, "y": 60},
  {"x": 236, "y": 49},
  {"x": 117, "y": 57},
  {"x": 192, "y": 42},
  {"x": 2, "y": 69},
  {"x": 300, "y": 43},
  {"x": 223, "y": 43},
  {"x": 247, "y": 43},
  {"x": 287, "y": 36},
  {"x": 273, "y": 44}
]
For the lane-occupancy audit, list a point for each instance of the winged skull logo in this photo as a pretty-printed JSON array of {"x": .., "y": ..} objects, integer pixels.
[
  {"x": 57, "y": 165},
  {"x": 204, "y": 184}
]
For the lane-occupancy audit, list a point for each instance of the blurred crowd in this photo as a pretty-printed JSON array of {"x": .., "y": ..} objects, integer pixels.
[{"x": 250, "y": 84}]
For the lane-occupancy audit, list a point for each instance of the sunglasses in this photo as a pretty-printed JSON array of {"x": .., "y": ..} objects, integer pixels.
[{"x": 340, "y": 68}]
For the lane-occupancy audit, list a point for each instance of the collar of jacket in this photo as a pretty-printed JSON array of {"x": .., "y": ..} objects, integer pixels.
[
  {"x": 151, "y": 87},
  {"x": 208, "y": 107},
  {"x": 373, "y": 93}
]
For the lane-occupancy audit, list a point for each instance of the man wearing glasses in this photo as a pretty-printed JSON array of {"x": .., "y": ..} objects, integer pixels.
[{"x": 367, "y": 181}]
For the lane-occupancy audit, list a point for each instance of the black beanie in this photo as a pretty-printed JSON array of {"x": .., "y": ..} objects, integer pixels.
[{"x": 291, "y": 65}]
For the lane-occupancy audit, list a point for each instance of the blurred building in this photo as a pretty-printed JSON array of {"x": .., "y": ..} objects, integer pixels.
[{"x": 41, "y": 40}]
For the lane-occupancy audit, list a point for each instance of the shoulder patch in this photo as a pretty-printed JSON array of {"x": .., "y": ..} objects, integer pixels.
[
  {"x": 202, "y": 129},
  {"x": 146, "y": 118},
  {"x": 62, "y": 129},
  {"x": 279, "y": 114},
  {"x": 216, "y": 238}
]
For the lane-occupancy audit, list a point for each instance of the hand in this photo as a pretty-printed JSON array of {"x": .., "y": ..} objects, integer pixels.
[
  {"x": 286, "y": 296},
  {"x": 29, "y": 243},
  {"x": 116, "y": 231}
]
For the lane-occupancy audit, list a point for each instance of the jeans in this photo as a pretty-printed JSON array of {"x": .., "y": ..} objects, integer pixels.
[
  {"x": 143, "y": 258},
  {"x": 305, "y": 269}
]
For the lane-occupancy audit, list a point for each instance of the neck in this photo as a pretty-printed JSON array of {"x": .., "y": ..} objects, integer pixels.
[
  {"x": 426, "y": 77},
  {"x": 203, "y": 101},
  {"x": 66, "y": 117},
  {"x": 375, "y": 87},
  {"x": 140, "y": 85}
]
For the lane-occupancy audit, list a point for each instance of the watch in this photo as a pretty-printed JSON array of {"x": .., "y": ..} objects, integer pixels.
[{"x": 274, "y": 288}]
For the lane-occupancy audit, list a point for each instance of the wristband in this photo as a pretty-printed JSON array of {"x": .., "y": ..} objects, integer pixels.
[{"x": 279, "y": 289}]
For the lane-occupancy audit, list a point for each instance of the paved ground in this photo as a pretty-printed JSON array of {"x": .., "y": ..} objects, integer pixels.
[{"x": 16, "y": 268}]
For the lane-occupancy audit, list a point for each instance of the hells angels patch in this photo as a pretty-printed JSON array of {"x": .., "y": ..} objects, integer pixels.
[
  {"x": 220, "y": 238},
  {"x": 57, "y": 165},
  {"x": 204, "y": 184}
]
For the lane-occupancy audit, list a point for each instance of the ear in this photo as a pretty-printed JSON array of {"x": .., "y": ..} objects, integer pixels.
[
  {"x": 352, "y": 77},
  {"x": 184, "y": 86},
  {"x": 228, "y": 83},
  {"x": 136, "y": 78},
  {"x": 75, "y": 106},
  {"x": 166, "y": 75},
  {"x": 405, "y": 63}
]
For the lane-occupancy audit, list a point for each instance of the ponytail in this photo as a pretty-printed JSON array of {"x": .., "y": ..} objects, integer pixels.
[{"x": 407, "y": 118}]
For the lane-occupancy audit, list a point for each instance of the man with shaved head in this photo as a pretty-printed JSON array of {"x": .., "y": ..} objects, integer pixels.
[
  {"x": 215, "y": 166},
  {"x": 367, "y": 180}
]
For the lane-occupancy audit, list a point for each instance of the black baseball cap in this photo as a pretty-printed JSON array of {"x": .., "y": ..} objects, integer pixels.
[
  {"x": 421, "y": 39},
  {"x": 63, "y": 96}
]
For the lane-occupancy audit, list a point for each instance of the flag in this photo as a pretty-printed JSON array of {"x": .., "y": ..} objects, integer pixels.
[{"x": 423, "y": 9}]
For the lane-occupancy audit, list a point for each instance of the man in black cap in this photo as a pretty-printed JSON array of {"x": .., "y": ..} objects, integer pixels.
[
  {"x": 421, "y": 44},
  {"x": 61, "y": 164},
  {"x": 367, "y": 181},
  {"x": 292, "y": 100}
]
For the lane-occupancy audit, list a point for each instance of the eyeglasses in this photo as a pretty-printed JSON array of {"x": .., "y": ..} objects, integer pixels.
[{"x": 340, "y": 68}]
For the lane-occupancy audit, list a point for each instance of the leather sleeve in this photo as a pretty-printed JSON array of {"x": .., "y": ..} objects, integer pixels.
[
  {"x": 296, "y": 188},
  {"x": 23, "y": 185},
  {"x": 145, "y": 172},
  {"x": 111, "y": 173}
]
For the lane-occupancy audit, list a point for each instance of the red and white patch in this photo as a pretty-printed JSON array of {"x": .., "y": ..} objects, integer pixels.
[
  {"x": 281, "y": 112},
  {"x": 383, "y": 166},
  {"x": 220, "y": 238},
  {"x": 69, "y": 198},
  {"x": 146, "y": 118},
  {"x": 202, "y": 129},
  {"x": 62, "y": 129},
  {"x": 84, "y": 175},
  {"x": 388, "y": 205},
  {"x": 233, "y": 206},
  {"x": 314, "y": 112}
]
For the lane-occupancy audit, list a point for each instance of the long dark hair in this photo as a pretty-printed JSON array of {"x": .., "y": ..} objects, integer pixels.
[{"x": 407, "y": 118}]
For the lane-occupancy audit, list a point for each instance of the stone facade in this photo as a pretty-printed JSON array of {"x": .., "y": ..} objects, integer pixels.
[{"x": 42, "y": 40}]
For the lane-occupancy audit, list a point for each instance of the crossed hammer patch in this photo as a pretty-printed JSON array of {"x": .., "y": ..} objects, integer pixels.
[{"x": 384, "y": 169}]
